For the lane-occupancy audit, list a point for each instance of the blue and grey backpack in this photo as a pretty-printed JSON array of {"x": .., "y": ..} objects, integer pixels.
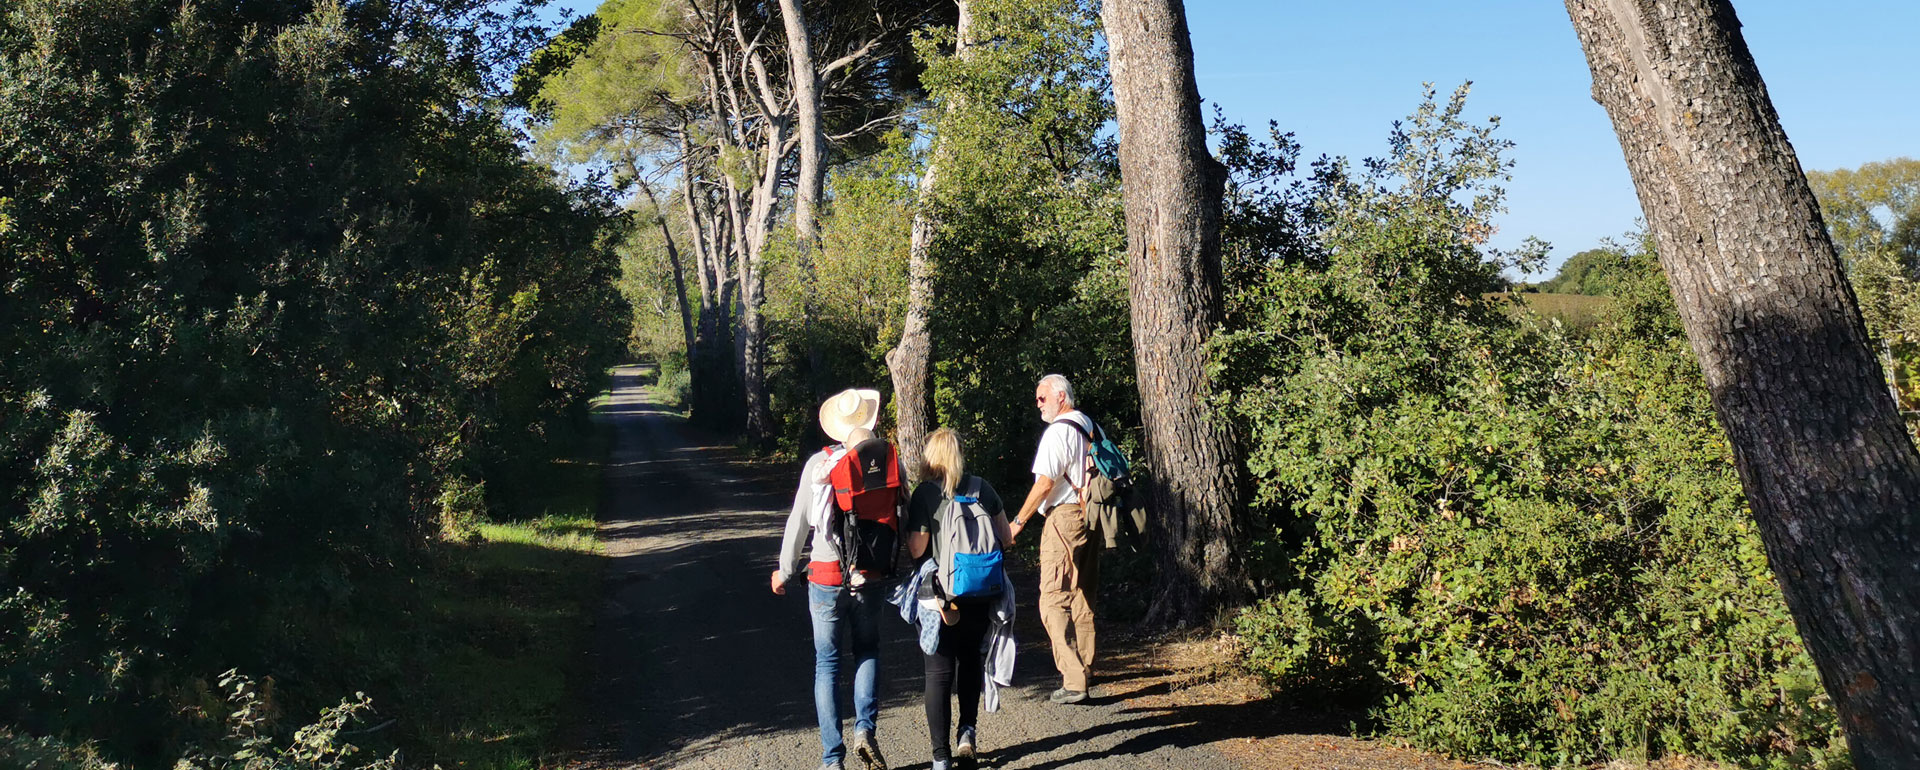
[{"x": 969, "y": 547}]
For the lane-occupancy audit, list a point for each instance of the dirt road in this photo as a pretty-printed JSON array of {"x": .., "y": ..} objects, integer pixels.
[{"x": 698, "y": 665}]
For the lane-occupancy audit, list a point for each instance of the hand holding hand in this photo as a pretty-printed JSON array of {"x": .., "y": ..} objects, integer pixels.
[{"x": 779, "y": 586}]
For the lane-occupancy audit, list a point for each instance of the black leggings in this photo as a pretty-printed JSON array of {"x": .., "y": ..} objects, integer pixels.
[{"x": 955, "y": 668}]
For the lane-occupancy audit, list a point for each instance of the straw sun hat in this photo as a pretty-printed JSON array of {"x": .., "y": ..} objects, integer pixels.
[{"x": 847, "y": 410}]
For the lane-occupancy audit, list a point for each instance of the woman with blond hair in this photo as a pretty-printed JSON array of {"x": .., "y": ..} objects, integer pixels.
[{"x": 949, "y": 509}]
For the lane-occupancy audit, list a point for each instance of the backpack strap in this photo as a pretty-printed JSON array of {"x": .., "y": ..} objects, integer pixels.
[{"x": 1086, "y": 467}]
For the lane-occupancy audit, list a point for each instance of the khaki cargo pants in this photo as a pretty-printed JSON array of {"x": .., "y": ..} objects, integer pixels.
[{"x": 1069, "y": 575}]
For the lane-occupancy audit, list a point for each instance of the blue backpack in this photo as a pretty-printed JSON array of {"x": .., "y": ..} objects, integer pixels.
[{"x": 969, "y": 547}]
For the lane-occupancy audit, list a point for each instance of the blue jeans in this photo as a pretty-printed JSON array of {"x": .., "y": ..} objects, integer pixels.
[{"x": 859, "y": 611}]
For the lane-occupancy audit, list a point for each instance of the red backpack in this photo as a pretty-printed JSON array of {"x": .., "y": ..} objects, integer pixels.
[{"x": 868, "y": 501}]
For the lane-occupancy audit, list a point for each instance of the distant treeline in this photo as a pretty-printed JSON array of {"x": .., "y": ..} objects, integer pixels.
[{"x": 1597, "y": 272}]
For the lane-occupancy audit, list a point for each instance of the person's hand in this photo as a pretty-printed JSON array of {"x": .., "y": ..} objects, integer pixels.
[
  {"x": 779, "y": 586},
  {"x": 1013, "y": 531}
]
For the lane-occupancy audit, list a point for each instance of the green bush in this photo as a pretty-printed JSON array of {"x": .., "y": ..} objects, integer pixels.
[
  {"x": 1501, "y": 540},
  {"x": 675, "y": 380},
  {"x": 250, "y": 740},
  {"x": 249, "y": 743},
  {"x": 279, "y": 292},
  {"x": 47, "y": 754}
]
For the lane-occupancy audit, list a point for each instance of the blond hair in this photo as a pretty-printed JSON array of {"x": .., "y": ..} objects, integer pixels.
[{"x": 942, "y": 455}]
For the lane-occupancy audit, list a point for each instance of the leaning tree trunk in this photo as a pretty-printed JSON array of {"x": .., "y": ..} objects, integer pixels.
[
  {"x": 908, "y": 361},
  {"x": 1173, "y": 192},
  {"x": 1829, "y": 471},
  {"x": 673, "y": 258}
]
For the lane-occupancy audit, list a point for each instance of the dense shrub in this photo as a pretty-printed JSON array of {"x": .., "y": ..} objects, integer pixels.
[
  {"x": 280, "y": 295},
  {"x": 1502, "y": 540}
]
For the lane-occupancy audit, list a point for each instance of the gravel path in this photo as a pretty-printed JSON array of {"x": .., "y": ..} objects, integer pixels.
[{"x": 697, "y": 665}]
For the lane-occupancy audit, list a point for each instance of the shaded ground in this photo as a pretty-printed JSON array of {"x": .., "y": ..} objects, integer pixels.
[{"x": 698, "y": 665}]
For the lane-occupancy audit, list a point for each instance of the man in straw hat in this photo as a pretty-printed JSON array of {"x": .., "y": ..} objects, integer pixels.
[{"x": 836, "y": 599}]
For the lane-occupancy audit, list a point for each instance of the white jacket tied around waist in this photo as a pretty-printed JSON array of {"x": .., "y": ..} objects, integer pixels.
[{"x": 999, "y": 650}]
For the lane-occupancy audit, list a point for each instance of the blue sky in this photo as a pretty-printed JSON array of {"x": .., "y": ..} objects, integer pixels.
[{"x": 1842, "y": 74}]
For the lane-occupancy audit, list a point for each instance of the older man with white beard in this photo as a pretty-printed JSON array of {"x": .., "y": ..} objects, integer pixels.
[{"x": 1069, "y": 566}]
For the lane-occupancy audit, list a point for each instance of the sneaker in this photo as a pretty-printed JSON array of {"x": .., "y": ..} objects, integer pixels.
[
  {"x": 964, "y": 748},
  {"x": 942, "y": 764},
  {"x": 834, "y": 765},
  {"x": 1064, "y": 695},
  {"x": 868, "y": 751}
]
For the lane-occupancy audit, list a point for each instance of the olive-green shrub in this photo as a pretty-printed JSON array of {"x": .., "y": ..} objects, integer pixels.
[{"x": 1500, "y": 539}]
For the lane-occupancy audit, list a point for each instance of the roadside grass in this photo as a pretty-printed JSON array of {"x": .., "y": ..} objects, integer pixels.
[{"x": 502, "y": 620}]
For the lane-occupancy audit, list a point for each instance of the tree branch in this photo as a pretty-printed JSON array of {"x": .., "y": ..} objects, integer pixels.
[{"x": 870, "y": 124}]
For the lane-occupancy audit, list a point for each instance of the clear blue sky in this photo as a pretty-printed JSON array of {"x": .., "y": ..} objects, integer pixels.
[{"x": 1842, "y": 74}]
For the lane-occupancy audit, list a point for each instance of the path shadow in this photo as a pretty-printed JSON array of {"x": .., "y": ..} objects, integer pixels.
[{"x": 692, "y": 650}]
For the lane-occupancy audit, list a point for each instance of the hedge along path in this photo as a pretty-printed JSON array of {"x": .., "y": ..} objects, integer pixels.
[{"x": 695, "y": 664}]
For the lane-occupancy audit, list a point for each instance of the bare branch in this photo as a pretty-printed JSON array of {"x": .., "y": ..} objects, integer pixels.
[
  {"x": 870, "y": 124},
  {"x": 857, "y": 54}
]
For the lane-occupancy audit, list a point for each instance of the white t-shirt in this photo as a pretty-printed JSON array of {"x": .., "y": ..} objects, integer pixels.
[{"x": 1063, "y": 458}]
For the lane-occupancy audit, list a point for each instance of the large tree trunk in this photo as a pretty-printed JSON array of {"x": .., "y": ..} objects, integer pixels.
[
  {"x": 907, "y": 362},
  {"x": 759, "y": 228},
  {"x": 1829, "y": 471},
  {"x": 731, "y": 134},
  {"x": 804, "y": 75},
  {"x": 811, "y": 184},
  {"x": 776, "y": 143},
  {"x": 1173, "y": 190}
]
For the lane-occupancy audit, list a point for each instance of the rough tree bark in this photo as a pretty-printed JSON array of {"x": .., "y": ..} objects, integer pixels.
[
  {"x": 747, "y": 118},
  {"x": 907, "y": 362},
  {"x": 1173, "y": 190},
  {"x": 1829, "y": 472},
  {"x": 759, "y": 226}
]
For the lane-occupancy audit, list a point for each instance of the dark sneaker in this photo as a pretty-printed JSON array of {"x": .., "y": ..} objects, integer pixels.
[
  {"x": 964, "y": 748},
  {"x": 868, "y": 751},
  {"x": 1067, "y": 696}
]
